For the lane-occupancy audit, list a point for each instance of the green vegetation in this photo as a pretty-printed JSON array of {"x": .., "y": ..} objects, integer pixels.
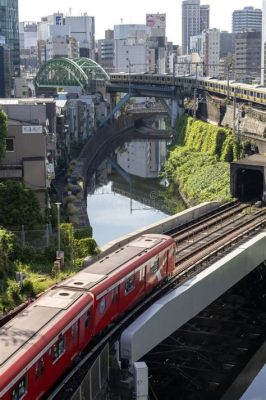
[
  {"x": 3, "y": 134},
  {"x": 199, "y": 161},
  {"x": 18, "y": 205},
  {"x": 36, "y": 266}
]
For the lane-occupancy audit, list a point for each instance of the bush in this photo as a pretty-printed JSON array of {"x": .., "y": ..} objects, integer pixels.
[
  {"x": 13, "y": 292},
  {"x": 27, "y": 288},
  {"x": 83, "y": 233}
]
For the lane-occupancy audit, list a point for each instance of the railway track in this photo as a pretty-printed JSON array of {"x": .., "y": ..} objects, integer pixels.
[{"x": 198, "y": 244}]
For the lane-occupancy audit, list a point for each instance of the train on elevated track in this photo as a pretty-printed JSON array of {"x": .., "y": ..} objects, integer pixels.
[
  {"x": 250, "y": 93},
  {"x": 42, "y": 342}
]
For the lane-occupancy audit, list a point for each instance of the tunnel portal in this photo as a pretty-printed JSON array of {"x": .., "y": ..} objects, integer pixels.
[{"x": 247, "y": 178}]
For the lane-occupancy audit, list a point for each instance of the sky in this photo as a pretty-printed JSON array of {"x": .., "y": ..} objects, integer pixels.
[{"x": 108, "y": 13}]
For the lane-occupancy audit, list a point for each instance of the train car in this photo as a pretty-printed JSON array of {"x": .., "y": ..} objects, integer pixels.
[
  {"x": 42, "y": 342},
  {"x": 37, "y": 346},
  {"x": 121, "y": 279}
]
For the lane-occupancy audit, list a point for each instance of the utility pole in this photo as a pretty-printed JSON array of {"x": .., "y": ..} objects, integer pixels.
[{"x": 228, "y": 81}]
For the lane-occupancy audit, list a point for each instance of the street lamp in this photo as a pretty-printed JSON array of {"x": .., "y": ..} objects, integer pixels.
[{"x": 58, "y": 228}]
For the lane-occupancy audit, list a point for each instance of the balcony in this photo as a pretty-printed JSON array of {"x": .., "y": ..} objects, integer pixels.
[{"x": 11, "y": 171}]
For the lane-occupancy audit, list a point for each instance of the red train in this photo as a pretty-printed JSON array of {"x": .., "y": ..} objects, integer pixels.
[{"x": 38, "y": 345}]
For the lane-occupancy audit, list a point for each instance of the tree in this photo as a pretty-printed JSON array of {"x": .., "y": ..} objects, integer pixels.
[
  {"x": 18, "y": 205},
  {"x": 3, "y": 134},
  {"x": 6, "y": 247}
]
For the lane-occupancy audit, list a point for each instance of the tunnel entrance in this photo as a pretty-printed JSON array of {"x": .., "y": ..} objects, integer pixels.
[
  {"x": 249, "y": 184},
  {"x": 247, "y": 178}
]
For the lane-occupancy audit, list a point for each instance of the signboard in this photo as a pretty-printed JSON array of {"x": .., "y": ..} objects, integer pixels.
[
  {"x": 32, "y": 129},
  {"x": 156, "y": 21},
  {"x": 58, "y": 20}
]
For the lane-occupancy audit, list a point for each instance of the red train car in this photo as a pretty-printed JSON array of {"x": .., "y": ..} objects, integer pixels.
[{"x": 42, "y": 342}]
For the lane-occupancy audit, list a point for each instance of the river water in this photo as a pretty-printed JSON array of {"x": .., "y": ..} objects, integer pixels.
[{"x": 115, "y": 211}]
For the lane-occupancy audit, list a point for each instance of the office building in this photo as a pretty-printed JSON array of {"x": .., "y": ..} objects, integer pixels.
[
  {"x": 82, "y": 28},
  {"x": 9, "y": 29},
  {"x": 190, "y": 22},
  {"x": 106, "y": 51},
  {"x": 246, "y": 19},
  {"x": 28, "y": 45},
  {"x": 248, "y": 56},
  {"x": 195, "y": 19},
  {"x": 131, "y": 50},
  {"x": 263, "y": 45},
  {"x": 5, "y": 68},
  {"x": 211, "y": 51},
  {"x": 226, "y": 43},
  {"x": 204, "y": 17}
]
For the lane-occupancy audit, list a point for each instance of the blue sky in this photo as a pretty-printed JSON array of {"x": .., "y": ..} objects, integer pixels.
[{"x": 110, "y": 12}]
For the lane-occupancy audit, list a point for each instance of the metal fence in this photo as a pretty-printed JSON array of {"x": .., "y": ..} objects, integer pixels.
[
  {"x": 96, "y": 378},
  {"x": 38, "y": 237}
]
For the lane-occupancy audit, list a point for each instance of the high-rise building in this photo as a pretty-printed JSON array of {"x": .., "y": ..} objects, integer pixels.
[
  {"x": 246, "y": 19},
  {"x": 190, "y": 22},
  {"x": 226, "y": 43},
  {"x": 5, "y": 81},
  {"x": 9, "y": 29},
  {"x": 28, "y": 45},
  {"x": 248, "y": 55},
  {"x": 131, "y": 52},
  {"x": 211, "y": 51},
  {"x": 204, "y": 17},
  {"x": 195, "y": 19},
  {"x": 106, "y": 51},
  {"x": 82, "y": 28},
  {"x": 263, "y": 45}
]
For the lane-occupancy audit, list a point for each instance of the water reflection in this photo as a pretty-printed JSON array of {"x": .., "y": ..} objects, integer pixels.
[{"x": 112, "y": 213}]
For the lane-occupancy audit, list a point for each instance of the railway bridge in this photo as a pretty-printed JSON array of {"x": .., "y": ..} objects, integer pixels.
[{"x": 191, "y": 335}]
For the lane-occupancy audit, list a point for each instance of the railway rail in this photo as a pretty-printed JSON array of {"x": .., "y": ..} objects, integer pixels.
[{"x": 198, "y": 244}]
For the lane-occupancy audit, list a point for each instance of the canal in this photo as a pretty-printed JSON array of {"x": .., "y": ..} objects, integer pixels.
[{"x": 115, "y": 211}]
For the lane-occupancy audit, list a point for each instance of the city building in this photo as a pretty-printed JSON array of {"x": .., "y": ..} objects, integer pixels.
[
  {"x": 82, "y": 28},
  {"x": 28, "y": 46},
  {"x": 211, "y": 51},
  {"x": 30, "y": 146},
  {"x": 226, "y": 43},
  {"x": 5, "y": 69},
  {"x": 157, "y": 42},
  {"x": 248, "y": 56},
  {"x": 195, "y": 19},
  {"x": 263, "y": 45},
  {"x": 131, "y": 50},
  {"x": 246, "y": 19},
  {"x": 61, "y": 46},
  {"x": 106, "y": 51},
  {"x": 190, "y": 22},
  {"x": 9, "y": 29},
  {"x": 189, "y": 64},
  {"x": 204, "y": 17}
]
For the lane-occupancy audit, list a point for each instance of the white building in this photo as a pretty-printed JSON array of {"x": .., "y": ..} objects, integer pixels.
[
  {"x": 263, "y": 46},
  {"x": 189, "y": 65},
  {"x": 131, "y": 50},
  {"x": 82, "y": 28},
  {"x": 143, "y": 158},
  {"x": 61, "y": 46},
  {"x": 211, "y": 51}
]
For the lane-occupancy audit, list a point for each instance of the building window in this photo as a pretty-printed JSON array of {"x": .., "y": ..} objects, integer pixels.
[
  {"x": 20, "y": 389},
  {"x": 9, "y": 144},
  {"x": 58, "y": 348}
]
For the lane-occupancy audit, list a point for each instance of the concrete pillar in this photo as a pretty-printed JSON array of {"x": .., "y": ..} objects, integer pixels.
[
  {"x": 177, "y": 110},
  {"x": 141, "y": 381}
]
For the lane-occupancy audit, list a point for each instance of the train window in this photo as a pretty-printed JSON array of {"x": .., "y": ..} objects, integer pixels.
[
  {"x": 154, "y": 265},
  {"x": 115, "y": 292},
  {"x": 58, "y": 348},
  {"x": 74, "y": 331},
  {"x": 87, "y": 319},
  {"x": 102, "y": 305},
  {"x": 129, "y": 284},
  {"x": 20, "y": 389},
  {"x": 142, "y": 274}
]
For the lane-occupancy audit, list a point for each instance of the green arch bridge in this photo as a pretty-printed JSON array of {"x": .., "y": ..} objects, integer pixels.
[{"x": 60, "y": 72}]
